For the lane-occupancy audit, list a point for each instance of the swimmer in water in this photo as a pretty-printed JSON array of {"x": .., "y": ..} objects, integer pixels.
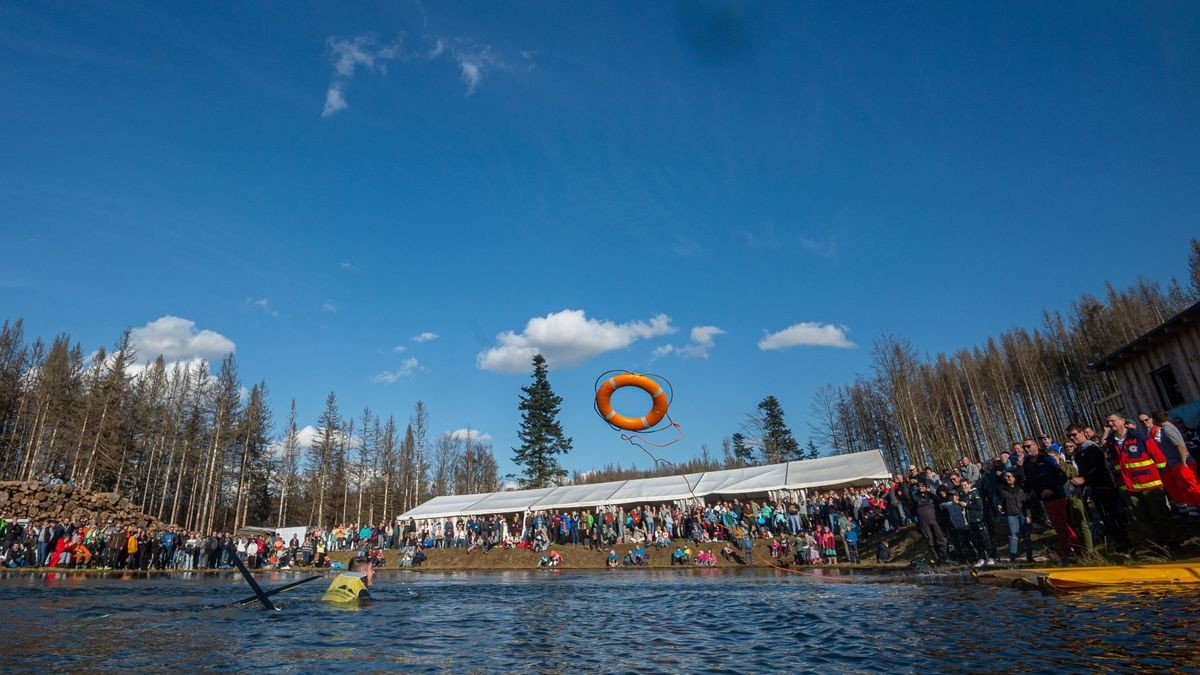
[{"x": 352, "y": 585}]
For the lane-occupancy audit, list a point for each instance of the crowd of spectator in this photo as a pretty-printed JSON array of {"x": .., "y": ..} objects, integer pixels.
[
  {"x": 1129, "y": 485},
  {"x": 86, "y": 545}
]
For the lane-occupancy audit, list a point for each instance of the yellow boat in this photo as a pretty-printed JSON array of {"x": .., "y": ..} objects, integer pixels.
[
  {"x": 1068, "y": 578},
  {"x": 346, "y": 587}
]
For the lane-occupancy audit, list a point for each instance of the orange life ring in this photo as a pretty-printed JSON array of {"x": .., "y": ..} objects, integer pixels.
[{"x": 646, "y": 384}]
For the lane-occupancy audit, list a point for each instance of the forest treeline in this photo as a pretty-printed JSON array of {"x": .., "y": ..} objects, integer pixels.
[{"x": 197, "y": 448}]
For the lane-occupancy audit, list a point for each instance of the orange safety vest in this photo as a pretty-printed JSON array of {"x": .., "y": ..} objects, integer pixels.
[{"x": 1138, "y": 462}]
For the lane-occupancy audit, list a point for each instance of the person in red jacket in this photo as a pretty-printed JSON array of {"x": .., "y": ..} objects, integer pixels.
[
  {"x": 1138, "y": 465},
  {"x": 1178, "y": 478}
]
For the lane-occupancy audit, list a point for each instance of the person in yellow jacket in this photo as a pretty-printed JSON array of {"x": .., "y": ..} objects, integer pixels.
[
  {"x": 320, "y": 559},
  {"x": 351, "y": 586}
]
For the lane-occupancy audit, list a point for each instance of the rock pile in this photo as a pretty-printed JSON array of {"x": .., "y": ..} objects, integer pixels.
[{"x": 36, "y": 501}]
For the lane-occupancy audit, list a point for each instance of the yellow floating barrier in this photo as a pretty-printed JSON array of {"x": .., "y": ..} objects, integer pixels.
[{"x": 1069, "y": 578}]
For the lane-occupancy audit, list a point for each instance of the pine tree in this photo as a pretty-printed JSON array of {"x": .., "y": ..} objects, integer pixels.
[
  {"x": 322, "y": 454},
  {"x": 541, "y": 435},
  {"x": 743, "y": 454},
  {"x": 778, "y": 444},
  {"x": 813, "y": 452}
]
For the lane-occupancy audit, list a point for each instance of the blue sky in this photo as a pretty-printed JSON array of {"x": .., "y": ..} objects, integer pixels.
[{"x": 317, "y": 185}]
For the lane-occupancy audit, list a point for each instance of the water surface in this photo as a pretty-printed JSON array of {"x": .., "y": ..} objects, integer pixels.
[{"x": 625, "y": 621}]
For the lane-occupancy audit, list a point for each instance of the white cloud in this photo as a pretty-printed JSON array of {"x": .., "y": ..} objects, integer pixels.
[
  {"x": 399, "y": 349},
  {"x": 475, "y": 61},
  {"x": 407, "y": 368},
  {"x": 566, "y": 338},
  {"x": 329, "y": 307},
  {"x": 349, "y": 266},
  {"x": 177, "y": 339},
  {"x": 261, "y": 304},
  {"x": 360, "y": 51},
  {"x": 335, "y": 100},
  {"x": 425, "y": 337},
  {"x": 472, "y": 73},
  {"x": 305, "y": 437},
  {"x": 349, "y": 55},
  {"x": 464, "y": 433},
  {"x": 807, "y": 334},
  {"x": 702, "y": 339}
]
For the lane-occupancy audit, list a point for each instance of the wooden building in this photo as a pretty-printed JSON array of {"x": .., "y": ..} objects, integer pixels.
[{"x": 1161, "y": 369}]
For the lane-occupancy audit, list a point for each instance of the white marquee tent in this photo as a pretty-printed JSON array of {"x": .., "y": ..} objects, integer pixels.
[{"x": 862, "y": 468}]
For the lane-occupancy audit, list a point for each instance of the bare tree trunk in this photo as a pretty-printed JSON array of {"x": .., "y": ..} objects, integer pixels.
[
  {"x": 242, "y": 476},
  {"x": 91, "y": 465},
  {"x": 31, "y": 447}
]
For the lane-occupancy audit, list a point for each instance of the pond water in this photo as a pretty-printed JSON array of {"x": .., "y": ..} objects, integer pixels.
[{"x": 624, "y": 621}]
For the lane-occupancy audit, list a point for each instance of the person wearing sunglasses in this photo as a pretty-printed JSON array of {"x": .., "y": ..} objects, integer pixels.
[{"x": 1095, "y": 476}]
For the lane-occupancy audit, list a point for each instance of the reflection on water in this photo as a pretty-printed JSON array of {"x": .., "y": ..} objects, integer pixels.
[{"x": 737, "y": 621}]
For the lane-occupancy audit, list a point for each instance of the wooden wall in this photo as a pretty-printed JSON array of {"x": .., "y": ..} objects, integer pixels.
[{"x": 1180, "y": 348}]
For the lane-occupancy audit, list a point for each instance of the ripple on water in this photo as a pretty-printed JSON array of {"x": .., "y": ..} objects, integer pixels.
[{"x": 735, "y": 621}]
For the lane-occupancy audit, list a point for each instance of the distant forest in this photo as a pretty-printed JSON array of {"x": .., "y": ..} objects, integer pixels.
[{"x": 198, "y": 449}]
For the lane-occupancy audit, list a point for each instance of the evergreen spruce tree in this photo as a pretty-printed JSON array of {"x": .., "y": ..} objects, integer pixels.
[
  {"x": 778, "y": 444},
  {"x": 541, "y": 435},
  {"x": 813, "y": 452},
  {"x": 743, "y": 453}
]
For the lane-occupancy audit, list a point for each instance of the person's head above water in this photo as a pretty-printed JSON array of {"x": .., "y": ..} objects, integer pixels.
[{"x": 365, "y": 567}]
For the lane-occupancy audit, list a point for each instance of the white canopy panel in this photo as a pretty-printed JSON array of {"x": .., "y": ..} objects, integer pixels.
[
  {"x": 508, "y": 502},
  {"x": 860, "y": 468},
  {"x": 826, "y": 472},
  {"x": 441, "y": 507},
  {"x": 753, "y": 479},
  {"x": 579, "y": 496},
  {"x": 661, "y": 489}
]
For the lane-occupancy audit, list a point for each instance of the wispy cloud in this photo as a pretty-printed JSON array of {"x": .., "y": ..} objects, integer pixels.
[
  {"x": 825, "y": 248},
  {"x": 807, "y": 334},
  {"x": 566, "y": 338},
  {"x": 407, "y": 368},
  {"x": 399, "y": 349},
  {"x": 329, "y": 307},
  {"x": 685, "y": 247},
  {"x": 349, "y": 55},
  {"x": 465, "y": 433},
  {"x": 261, "y": 304},
  {"x": 425, "y": 337},
  {"x": 335, "y": 100},
  {"x": 474, "y": 61},
  {"x": 348, "y": 266},
  {"x": 702, "y": 340}
]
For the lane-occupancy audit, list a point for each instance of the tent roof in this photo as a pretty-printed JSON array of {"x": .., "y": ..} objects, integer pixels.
[{"x": 860, "y": 468}]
